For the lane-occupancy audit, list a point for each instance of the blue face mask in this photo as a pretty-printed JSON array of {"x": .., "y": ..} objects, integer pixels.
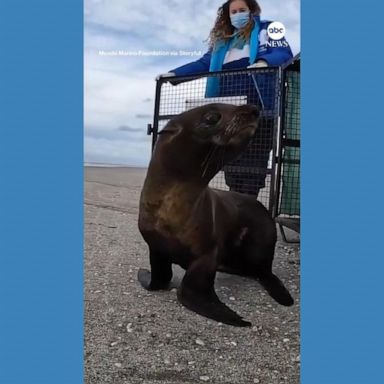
[{"x": 240, "y": 19}]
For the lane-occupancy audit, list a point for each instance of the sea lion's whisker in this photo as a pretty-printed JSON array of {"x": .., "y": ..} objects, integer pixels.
[
  {"x": 209, "y": 159},
  {"x": 206, "y": 158},
  {"x": 222, "y": 157},
  {"x": 231, "y": 127}
]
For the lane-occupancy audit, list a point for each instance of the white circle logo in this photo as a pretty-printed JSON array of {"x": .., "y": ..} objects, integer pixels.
[{"x": 276, "y": 30}]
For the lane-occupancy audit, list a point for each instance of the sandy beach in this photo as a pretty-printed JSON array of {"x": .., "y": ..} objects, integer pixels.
[{"x": 133, "y": 336}]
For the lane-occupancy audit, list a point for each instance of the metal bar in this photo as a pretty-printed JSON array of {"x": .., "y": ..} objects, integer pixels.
[
  {"x": 181, "y": 79},
  {"x": 276, "y": 134},
  {"x": 283, "y": 90},
  {"x": 250, "y": 169},
  {"x": 284, "y": 236},
  {"x": 155, "y": 128},
  {"x": 291, "y": 161},
  {"x": 291, "y": 143},
  {"x": 258, "y": 91}
]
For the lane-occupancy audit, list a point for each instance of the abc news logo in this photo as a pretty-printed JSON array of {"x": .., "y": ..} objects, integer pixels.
[{"x": 276, "y": 31}]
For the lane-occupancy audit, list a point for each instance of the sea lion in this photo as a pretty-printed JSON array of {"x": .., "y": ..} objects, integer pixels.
[{"x": 199, "y": 228}]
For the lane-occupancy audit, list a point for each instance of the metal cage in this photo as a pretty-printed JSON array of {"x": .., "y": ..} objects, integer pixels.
[{"x": 268, "y": 168}]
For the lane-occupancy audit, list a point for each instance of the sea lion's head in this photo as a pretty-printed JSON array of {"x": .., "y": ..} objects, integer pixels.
[{"x": 200, "y": 141}]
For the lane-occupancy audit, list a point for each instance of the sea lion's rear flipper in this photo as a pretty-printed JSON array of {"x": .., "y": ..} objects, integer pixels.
[
  {"x": 275, "y": 288},
  {"x": 258, "y": 258},
  {"x": 160, "y": 275},
  {"x": 196, "y": 292}
]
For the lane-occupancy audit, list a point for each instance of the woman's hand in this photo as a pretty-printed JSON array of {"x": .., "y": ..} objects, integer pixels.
[
  {"x": 163, "y": 75},
  {"x": 259, "y": 64}
]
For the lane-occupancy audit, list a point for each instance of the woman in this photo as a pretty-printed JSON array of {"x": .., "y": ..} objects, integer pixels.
[{"x": 239, "y": 40}]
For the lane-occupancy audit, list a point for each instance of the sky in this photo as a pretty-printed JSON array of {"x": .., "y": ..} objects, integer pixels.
[{"x": 119, "y": 88}]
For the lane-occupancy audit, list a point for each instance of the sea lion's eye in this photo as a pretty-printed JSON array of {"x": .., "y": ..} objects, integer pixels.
[{"x": 212, "y": 117}]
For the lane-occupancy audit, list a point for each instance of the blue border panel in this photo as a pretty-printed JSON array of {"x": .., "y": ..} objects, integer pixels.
[
  {"x": 41, "y": 220},
  {"x": 342, "y": 199}
]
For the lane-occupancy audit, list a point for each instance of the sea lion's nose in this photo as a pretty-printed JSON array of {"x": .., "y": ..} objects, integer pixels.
[
  {"x": 254, "y": 110},
  {"x": 250, "y": 109}
]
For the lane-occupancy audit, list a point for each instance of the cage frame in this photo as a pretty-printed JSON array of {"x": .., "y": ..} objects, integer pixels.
[{"x": 279, "y": 143}]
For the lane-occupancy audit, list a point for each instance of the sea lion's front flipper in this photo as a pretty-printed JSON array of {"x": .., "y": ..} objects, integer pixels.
[
  {"x": 160, "y": 275},
  {"x": 210, "y": 306},
  {"x": 197, "y": 293}
]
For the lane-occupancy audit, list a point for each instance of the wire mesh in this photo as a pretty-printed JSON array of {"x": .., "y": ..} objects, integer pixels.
[
  {"x": 253, "y": 171},
  {"x": 289, "y": 204}
]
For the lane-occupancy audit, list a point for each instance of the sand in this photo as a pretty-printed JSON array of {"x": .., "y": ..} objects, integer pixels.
[{"x": 132, "y": 336}]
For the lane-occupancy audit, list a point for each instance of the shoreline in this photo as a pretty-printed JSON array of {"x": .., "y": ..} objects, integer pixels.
[{"x": 106, "y": 165}]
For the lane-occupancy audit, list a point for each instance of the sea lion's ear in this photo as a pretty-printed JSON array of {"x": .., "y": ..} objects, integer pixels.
[{"x": 172, "y": 129}]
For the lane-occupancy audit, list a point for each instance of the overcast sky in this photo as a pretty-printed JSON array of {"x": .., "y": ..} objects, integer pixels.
[{"x": 119, "y": 90}]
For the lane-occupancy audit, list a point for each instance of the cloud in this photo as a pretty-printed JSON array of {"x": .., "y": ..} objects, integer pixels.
[
  {"x": 125, "y": 128},
  {"x": 143, "y": 115},
  {"x": 111, "y": 98},
  {"x": 171, "y": 24},
  {"x": 131, "y": 135},
  {"x": 120, "y": 89},
  {"x": 103, "y": 150}
]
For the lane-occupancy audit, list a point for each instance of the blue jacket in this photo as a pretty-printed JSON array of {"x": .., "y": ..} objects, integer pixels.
[
  {"x": 272, "y": 55},
  {"x": 273, "y": 52}
]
